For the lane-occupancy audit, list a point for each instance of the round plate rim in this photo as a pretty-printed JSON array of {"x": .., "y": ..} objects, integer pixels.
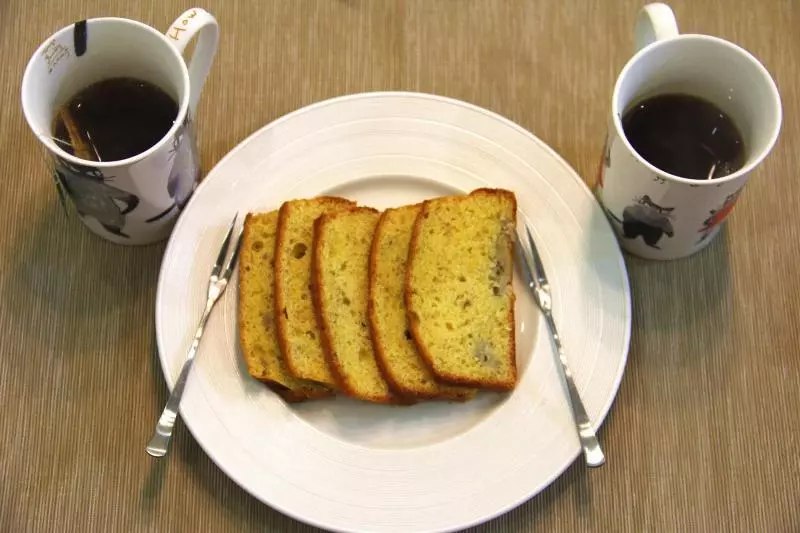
[{"x": 171, "y": 243}]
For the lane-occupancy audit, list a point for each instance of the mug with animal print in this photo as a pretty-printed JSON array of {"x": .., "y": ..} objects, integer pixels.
[
  {"x": 658, "y": 214},
  {"x": 131, "y": 197}
]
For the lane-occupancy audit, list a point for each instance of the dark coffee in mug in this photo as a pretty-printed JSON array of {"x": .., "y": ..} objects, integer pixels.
[
  {"x": 114, "y": 119},
  {"x": 685, "y": 136}
]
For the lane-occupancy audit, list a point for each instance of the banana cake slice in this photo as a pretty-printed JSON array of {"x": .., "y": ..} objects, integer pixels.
[
  {"x": 340, "y": 272},
  {"x": 458, "y": 292},
  {"x": 396, "y": 354},
  {"x": 257, "y": 331},
  {"x": 298, "y": 334}
]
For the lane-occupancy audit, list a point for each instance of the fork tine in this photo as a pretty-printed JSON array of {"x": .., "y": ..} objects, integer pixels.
[
  {"x": 234, "y": 255},
  {"x": 521, "y": 258},
  {"x": 223, "y": 250},
  {"x": 541, "y": 277},
  {"x": 530, "y": 237},
  {"x": 520, "y": 246}
]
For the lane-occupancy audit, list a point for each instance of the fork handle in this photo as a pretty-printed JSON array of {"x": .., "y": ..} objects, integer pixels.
[
  {"x": 589, "y": 443},
  {"x": 159, "y": 442}
]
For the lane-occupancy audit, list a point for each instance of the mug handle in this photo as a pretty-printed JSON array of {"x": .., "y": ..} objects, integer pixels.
[
  {"x": 655, "y": 22},
  {"x": 196, "y": 21}
]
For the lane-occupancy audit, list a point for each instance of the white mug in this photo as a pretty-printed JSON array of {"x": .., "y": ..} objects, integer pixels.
[
  {"x": 658, "y": 215},
  {"x": 134, "y": 200}
]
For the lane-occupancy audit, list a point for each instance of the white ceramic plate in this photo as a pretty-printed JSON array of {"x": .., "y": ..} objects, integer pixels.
[{"x": 350, "y": 466}]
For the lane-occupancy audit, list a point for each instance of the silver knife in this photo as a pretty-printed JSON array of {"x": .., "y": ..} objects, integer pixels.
[{"x": 540, "y": 289}]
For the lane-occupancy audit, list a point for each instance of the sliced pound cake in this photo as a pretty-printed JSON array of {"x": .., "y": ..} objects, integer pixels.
[
  {"x": 396, "y": 354},
  {"x": 298, "y": 334},
  {"x": 257, "y": 333},
  {"x": 340, "y": 272},
  {"x": 458, "y": 292}
]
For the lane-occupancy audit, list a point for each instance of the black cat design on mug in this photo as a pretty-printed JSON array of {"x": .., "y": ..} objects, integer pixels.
[
  {"x": 646, "y": 219},
  {"x": 185, "y": 169},
  {"x": 93, "y": 196}
]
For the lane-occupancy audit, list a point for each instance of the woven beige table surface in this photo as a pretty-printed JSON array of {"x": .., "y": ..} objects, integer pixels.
[{"x": 705, "y": 431}]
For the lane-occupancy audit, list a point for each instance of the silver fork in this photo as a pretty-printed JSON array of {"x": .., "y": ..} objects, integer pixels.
[
  {"x": 157, "y": 447},
  {"x": 540, "y": 289}
]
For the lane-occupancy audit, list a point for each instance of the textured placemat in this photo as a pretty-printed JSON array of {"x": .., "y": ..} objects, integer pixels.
[{"x": 705, "y": 430}]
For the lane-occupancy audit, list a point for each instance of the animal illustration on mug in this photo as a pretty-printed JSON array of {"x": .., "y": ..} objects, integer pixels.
[
  {"x": 646, "y": 219},
  {"x": 93, "y": 196},
  {"x": 605, "y": 163},
  {"x": 182, "y": 177},
  {"x": 716, "y": 216}
]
